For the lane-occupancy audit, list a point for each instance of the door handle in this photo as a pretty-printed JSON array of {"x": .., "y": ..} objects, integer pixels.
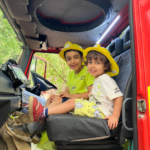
[{"x": 141, "y": 105}]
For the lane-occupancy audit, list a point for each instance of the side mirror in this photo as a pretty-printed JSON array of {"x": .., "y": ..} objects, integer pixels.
[
  {"x": 15, "y": 57},
  {"x": 33, "y": 64}
]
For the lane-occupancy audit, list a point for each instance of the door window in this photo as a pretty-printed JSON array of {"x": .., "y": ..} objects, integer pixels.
[{"x": 57, "y": 70}]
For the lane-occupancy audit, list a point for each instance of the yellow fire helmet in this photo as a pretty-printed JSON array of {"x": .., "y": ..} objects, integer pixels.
[
  {"x": 104, "y": 51},
  {"x": 69, "y": 46}
]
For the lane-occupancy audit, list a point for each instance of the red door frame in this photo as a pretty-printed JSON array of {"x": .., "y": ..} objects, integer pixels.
[
  {"x": 50, "y": 50},
  {"x": 28, "y": 65},
  {"x": 141, "y": 26}
]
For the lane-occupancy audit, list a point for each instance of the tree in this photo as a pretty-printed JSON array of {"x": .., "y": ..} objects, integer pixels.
[{"x": 9, "y": 45}]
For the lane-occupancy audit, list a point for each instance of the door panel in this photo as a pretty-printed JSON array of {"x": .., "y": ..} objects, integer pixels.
[
  {"x": 8, "y": 104},
  {"x": 9, "y": 101},
  {"x": 141, "y": 22}
]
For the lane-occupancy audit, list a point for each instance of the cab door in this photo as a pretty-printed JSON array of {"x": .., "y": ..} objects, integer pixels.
[{"x": 140, "y": 23}]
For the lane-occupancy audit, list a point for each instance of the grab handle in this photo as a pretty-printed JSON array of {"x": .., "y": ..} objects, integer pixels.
[{"x": 124, "y": 115}]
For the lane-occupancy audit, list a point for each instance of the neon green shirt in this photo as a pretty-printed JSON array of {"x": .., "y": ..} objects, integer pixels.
[{"x": 79, "y": 83}]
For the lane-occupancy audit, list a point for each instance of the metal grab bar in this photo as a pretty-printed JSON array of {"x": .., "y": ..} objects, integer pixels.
[{"x": 124, "y": 115}]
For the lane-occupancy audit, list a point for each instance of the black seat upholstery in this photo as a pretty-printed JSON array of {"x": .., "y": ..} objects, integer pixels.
[
  {"x": 126, "y": 40},
  {"x": 128, "y": 90},
  {"x": 125, "y": 71},
  {"x": 67, "y": 127},
  {"x": 124, "y": 79},
  {"x": 116, "y": 47}
]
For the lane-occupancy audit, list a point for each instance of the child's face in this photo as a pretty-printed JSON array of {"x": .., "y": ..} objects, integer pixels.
[
  {"x": 96, "y": 67},
  {"x": 74, "y": 60}
]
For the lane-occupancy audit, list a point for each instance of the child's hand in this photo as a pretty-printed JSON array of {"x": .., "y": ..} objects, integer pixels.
[
  {"x": 64, "y": 94},
  {"x": 112, "y": 121},
  {"x": 51, "y": 98}
]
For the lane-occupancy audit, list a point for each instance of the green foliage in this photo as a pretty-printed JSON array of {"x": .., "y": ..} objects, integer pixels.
[
  {"x": 9, "y": 45},
  {"x": 57, "y": 69},
  {"x": 125, "y": 146}
]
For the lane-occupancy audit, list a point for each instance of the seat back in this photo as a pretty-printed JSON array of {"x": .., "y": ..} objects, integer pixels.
[
  {"x": 128, "y": 90},
  {"x": 116, "y": 47},
  {"x": 124, "y": 78},
  {"x": 124, "y": 81},
  {"x": 117, "y": 50}
]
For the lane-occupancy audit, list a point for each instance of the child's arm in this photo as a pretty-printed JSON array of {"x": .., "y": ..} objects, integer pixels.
[
  {"x": 82, "y": 95},
  {"x": 113, "y": 120},
  {"x": 67, "y": 90},
  {"x": 66, "y": 93},
  {"x": 52, "y": 97}
]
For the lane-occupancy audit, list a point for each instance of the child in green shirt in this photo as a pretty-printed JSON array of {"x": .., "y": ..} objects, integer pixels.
[{"x": 79, "y": 80}]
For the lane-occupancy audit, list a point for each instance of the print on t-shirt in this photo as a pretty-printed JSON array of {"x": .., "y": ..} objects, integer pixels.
[
  {"x": 82, "y": 77},
  {"x": 117, "y": 90},
  {"x": 73, "y": 88}
]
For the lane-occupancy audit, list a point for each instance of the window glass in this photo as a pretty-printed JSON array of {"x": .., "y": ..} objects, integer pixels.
[
  {"x": 123, "y": 32},
  {"x": 40, "y": 67},
  {"x": 57, "y": 70},
  {"x": 10, "y": 47}
]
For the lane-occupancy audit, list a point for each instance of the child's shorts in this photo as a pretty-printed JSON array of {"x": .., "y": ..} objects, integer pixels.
[
  {"x": 64, "y": 99},
  {"x": 86, "y": 108}
]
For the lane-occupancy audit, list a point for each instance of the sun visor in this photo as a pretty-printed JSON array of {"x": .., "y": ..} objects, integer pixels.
[
  {"x": 18, "y": 9},
  {"x": 28, "y": 28}
]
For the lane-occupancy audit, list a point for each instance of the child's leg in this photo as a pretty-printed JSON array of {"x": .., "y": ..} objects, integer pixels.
[
  {"x": 56, "y": 101},
  {"x": 38, "y": 112},
  {"x": 62, "y": 108}
]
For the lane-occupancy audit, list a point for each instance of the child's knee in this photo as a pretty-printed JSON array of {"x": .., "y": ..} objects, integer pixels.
[
  {"x": 71, "y": 102},
  {"x": 57, "y": 98}
]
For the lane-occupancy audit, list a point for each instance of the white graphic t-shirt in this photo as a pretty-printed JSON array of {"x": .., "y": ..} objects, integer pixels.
[{"x": 104, "y": 91}]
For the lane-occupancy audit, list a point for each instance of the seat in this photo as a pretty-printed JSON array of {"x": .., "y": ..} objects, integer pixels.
[{"x": 66, "y": 130}]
